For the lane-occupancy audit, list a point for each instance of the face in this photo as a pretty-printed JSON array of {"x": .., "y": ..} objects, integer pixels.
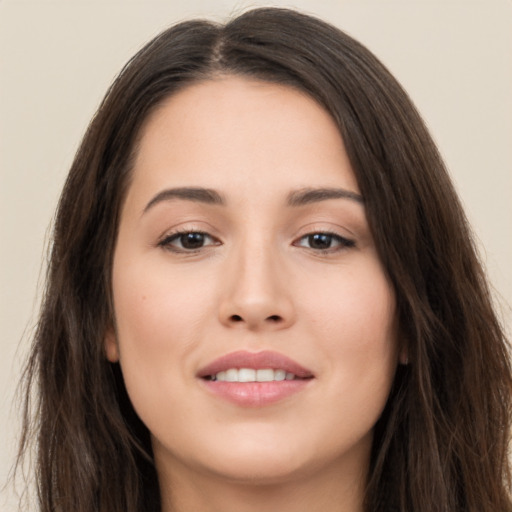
[{"x": 254, "y": 324}]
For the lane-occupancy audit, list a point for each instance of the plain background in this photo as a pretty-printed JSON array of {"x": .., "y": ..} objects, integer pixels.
[{"x": 57, "y": 59}]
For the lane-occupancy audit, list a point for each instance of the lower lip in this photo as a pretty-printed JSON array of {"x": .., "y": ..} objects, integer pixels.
[{"x": 256, "y": 394}]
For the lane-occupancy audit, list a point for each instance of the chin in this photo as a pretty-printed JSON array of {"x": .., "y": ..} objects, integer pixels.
[
  {"x": 254, "y": 460},
  {"x": 270, "y": 461},
  {"x": 260, "y": 471}
]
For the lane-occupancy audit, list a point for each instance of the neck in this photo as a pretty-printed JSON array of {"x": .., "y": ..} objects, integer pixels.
[{"x": 331, "y": 490}]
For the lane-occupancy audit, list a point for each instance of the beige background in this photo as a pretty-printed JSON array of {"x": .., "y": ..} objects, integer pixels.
[{"x": 58, "y": 57}]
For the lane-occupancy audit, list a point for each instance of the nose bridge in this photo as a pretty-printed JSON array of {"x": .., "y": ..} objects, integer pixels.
[{"x": 256, "y": 295}]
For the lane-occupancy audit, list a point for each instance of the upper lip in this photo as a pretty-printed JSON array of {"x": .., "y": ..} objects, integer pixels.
[{"x": 256, "y": 361}]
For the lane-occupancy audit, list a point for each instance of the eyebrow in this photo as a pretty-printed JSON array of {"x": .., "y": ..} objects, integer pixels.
[
  {"x": 307, "y": 196},
  {"x": 196, "y": 194},
  {"x": 296, "y": 198}
]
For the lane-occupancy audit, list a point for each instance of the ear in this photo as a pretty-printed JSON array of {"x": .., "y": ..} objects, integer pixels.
[
  {"x": 403, "y": 355},
  {"x": 111, "y": 346}
]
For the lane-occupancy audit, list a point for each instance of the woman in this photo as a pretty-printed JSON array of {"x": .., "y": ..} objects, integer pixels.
[{"x": 263, "y": 293}]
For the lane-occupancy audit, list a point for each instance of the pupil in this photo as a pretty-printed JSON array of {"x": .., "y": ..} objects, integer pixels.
[
  {"x": 320, "y": 241},
  {"x": 192, "y": 240}
]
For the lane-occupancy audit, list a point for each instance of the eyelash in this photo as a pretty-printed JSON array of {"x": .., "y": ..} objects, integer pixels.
[
  {"x": 342, "y": 242},
  {"x": 166, "y": 243}
]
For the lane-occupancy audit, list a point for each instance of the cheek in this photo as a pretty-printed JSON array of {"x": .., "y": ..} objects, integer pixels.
[
  {"x": 160, "y": 321},
  {"x": 359, "y": 304},
  {"x": 155, "y": 305},
  {"x": 360, "y": 344},
  {"x": 355, "y": 323}
]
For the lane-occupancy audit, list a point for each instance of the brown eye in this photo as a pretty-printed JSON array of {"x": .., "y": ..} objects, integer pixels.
[
  {"x": 320, "y": 241},
  {"x": 192, "y": 240},
  {"x": 187, "y": 241},
  {"x": 325, "y": 242}
]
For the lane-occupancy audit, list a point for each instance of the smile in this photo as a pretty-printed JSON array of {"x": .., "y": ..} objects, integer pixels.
[
  {"x": 258, "y": 379},
  {"x": 252, "y": 375}
]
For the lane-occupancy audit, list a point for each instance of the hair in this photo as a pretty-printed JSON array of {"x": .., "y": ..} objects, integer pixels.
[{"x": 441, "y": 442}]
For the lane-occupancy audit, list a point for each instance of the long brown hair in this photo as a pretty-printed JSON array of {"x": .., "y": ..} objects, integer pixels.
[{"x": 441, "y": 443}]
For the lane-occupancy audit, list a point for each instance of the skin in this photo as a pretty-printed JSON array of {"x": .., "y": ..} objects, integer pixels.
[{"x": 257, "y": 283}]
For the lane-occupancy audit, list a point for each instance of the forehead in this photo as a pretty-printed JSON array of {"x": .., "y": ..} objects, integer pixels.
[{"x": 238, "y": 134}]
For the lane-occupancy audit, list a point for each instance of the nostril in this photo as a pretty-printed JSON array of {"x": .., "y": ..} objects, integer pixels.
[
  {"x": 236, "y": 318},
  {"x": 274, "y": 318}
]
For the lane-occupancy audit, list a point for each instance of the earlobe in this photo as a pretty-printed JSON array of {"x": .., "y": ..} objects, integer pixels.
[
  {"x": 403, "y": 356},
  {"x": 111, "y": 346}
]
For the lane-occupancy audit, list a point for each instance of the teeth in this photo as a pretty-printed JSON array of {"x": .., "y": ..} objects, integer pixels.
[
  {"x": 251, "y": 375},
  {"x": 246, "y": 375},
  {"x": 232, "y": 375},
  {"x": 280, "y": 375},
  {"x": 265, "y": 375}
]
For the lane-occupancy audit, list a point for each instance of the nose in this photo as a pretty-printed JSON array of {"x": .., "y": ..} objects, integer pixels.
[{"x": 256, "y": 295}]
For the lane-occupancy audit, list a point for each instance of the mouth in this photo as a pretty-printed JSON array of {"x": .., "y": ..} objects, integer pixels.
[
  {"x": 244, "y": 366},
  {"x": 251, "y": 379},
  {"x": 252, "y": 375}
]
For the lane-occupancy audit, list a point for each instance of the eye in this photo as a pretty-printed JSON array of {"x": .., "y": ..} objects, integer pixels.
[
  {"x": 187, "y": 241},
  {"x": 325, "y": 242}
]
